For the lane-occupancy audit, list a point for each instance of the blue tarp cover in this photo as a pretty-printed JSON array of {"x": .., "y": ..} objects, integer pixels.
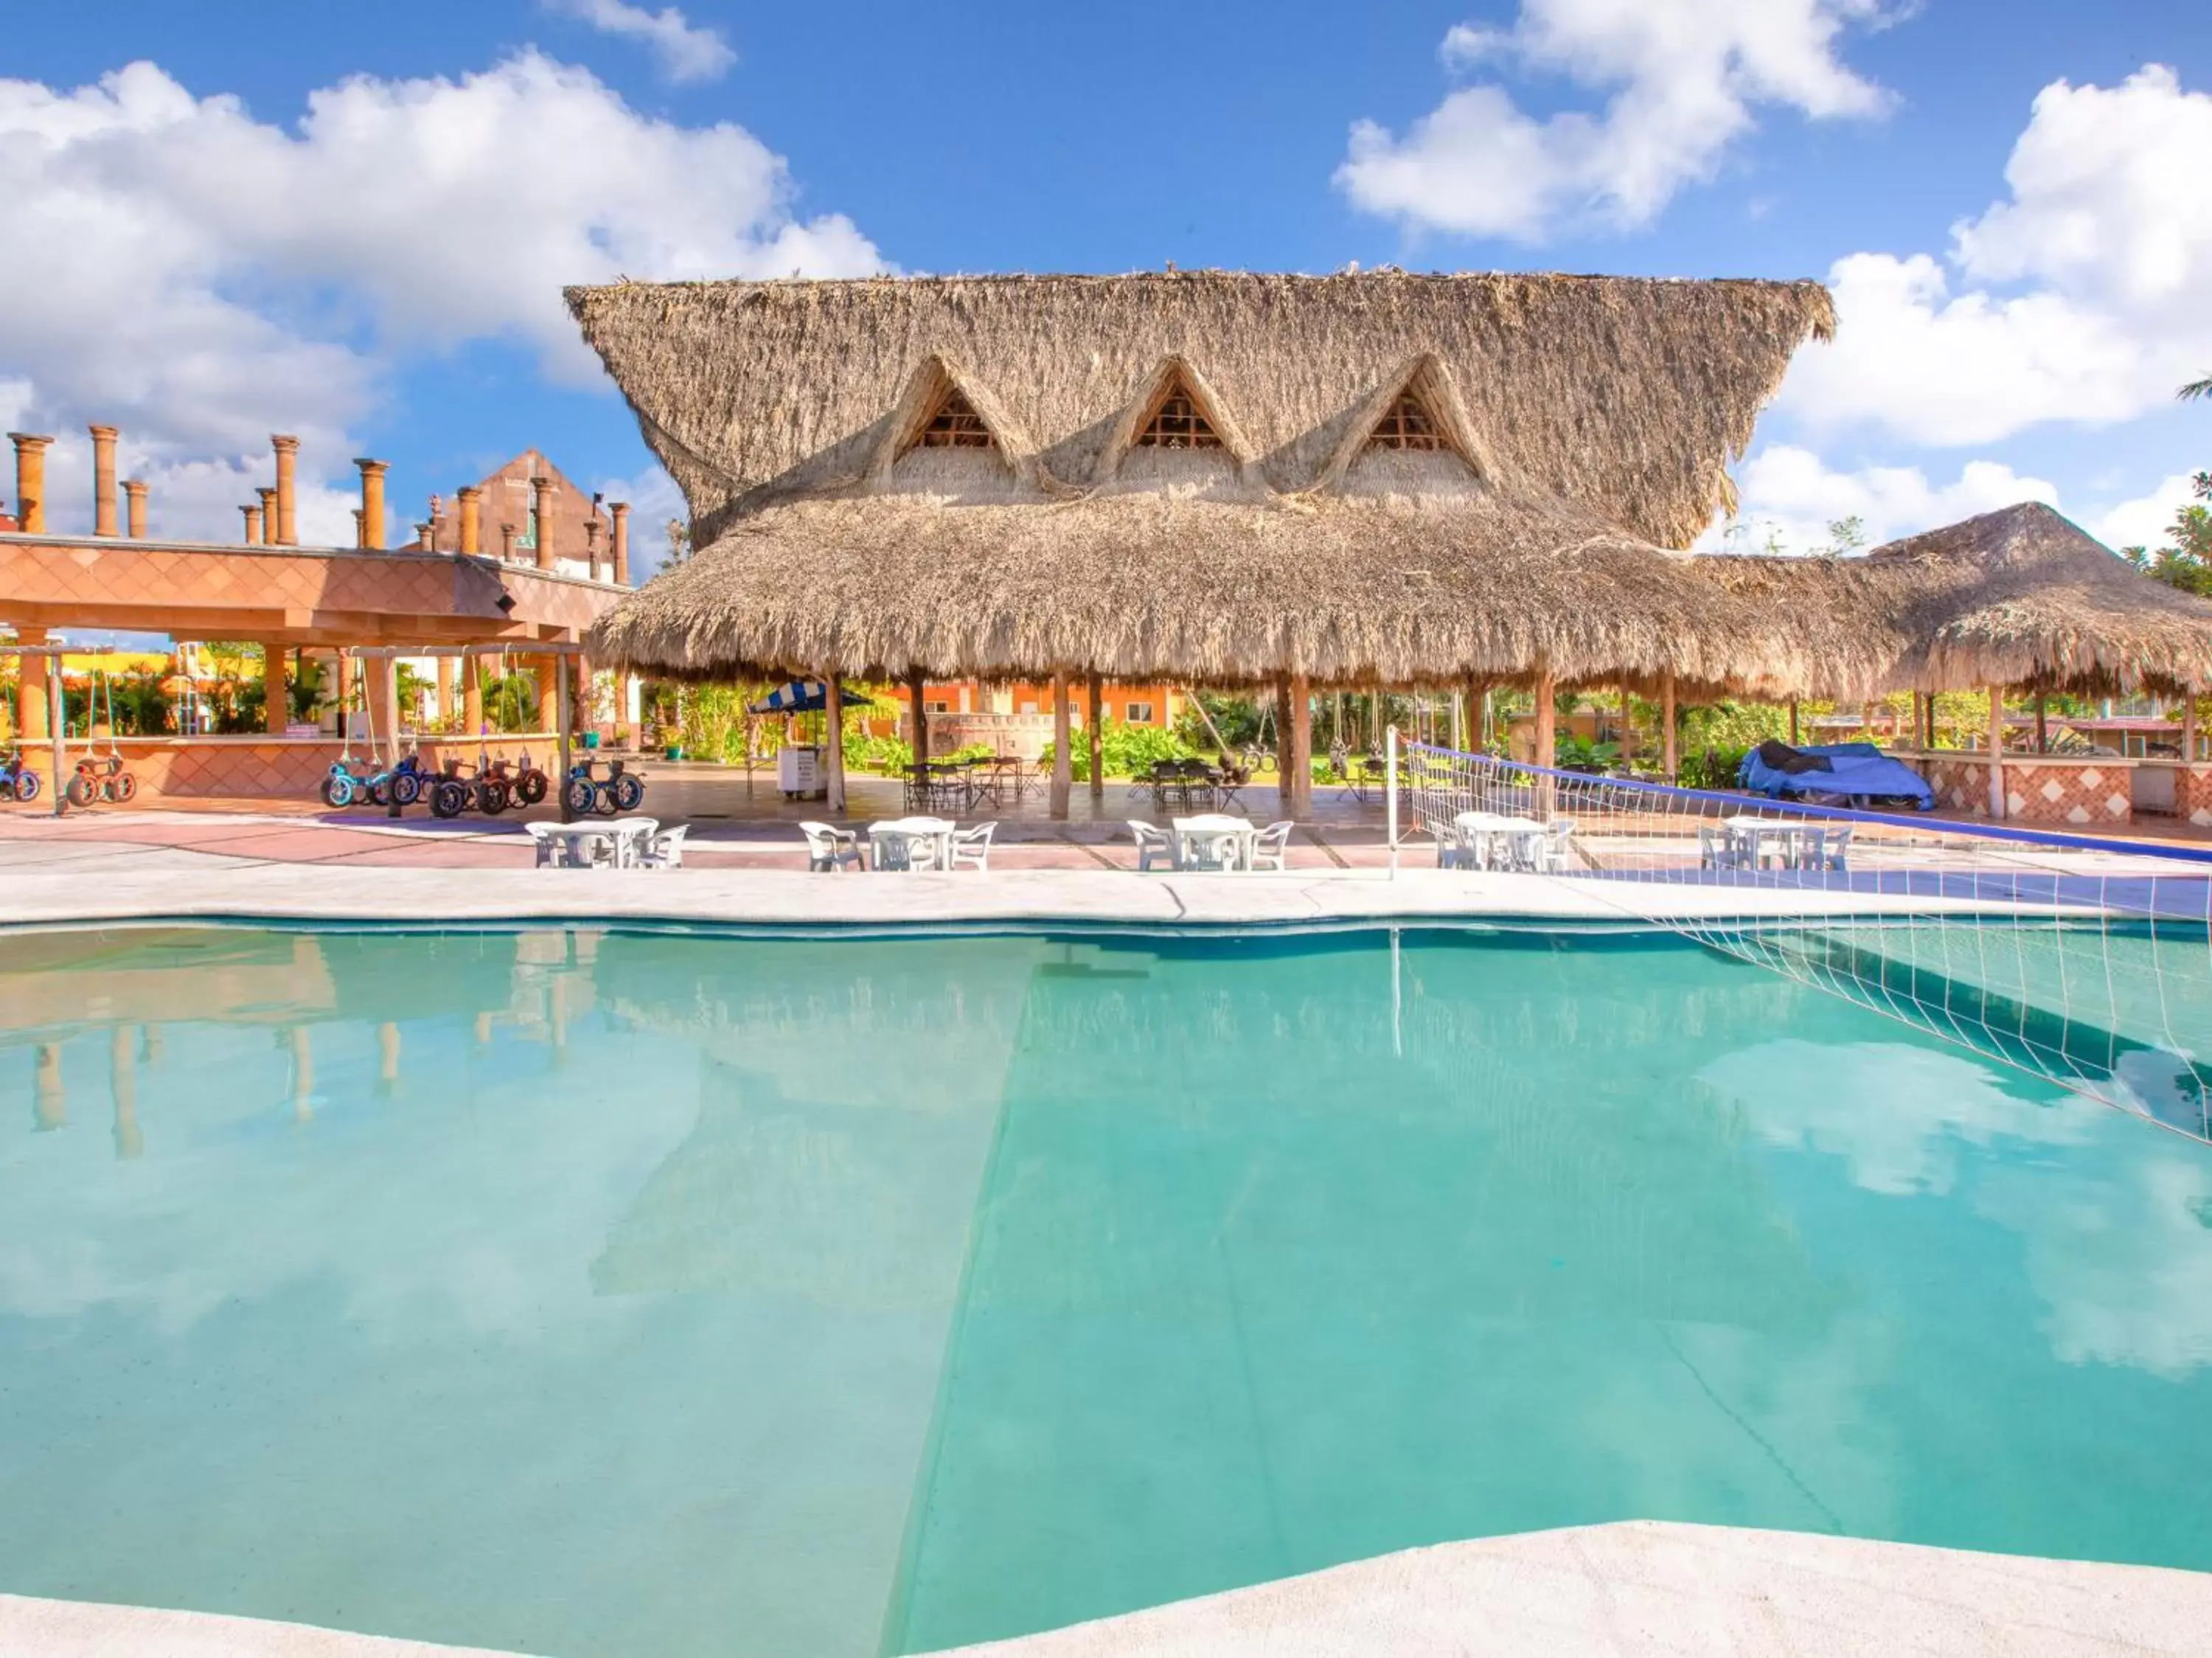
[{"x": 1858, "y": 771}]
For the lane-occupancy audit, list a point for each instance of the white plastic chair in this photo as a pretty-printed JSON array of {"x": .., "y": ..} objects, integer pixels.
[
  {"x": 1154, "y": 844},
  {"x": 551, "y": 848},
  {"x": 1717, "y": 848},
  {"x": 666, "y": 850},
  {"x": 1271, "y": 847},
  {"x": 1551, "y": 852},
  {"x": 971, "y": 848},
  {"x": 830, "y": 849},
  {"x": 1834, "y": 850}
]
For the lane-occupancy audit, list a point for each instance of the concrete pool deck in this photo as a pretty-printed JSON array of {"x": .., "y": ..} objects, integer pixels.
[{"x": 1638, "y": 1590}]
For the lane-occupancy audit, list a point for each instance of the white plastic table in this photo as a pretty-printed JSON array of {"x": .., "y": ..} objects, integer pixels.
[
  {"x": 1213, "y": 840},
  {"x": 1487, "y": 833},
  {"x": 1750, "y": 838},
  {"x": 577, "y": 844},
  {"x": 891, "y": 843}
]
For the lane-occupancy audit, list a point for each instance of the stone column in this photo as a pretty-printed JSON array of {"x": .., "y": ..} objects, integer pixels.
[
  {"x": 287, "y": 530},
  {"x": 548, "y": 694},
  {"x": 360, "y": 537},
  {"x": 425, "y": 532},
  {"x": 274, "y": 711},
  {"x": 31, "y": 713},
  {"x": 103, "y": 480},
  {"x": 591, "y": 548},
  {"x": 471, "y": 499},
  {"x": 1300, "y": 800},
  {"x": 268, "y": 516},
  {"x": 471, "y": 695},
  {"x": 252, "y": 517},
  {"x": 345, "y": 675},
  {"x": 1063, "y": 762},
  {"x": 506, "y": 543},
  {"x": 134, "y": 518},
  {"x": 619, "y": 511},
  {"x": 446, "y": 709},
  {"x": 30, "y": 482},
  {"x": 541, "y": 495},
  {"x": 372, "y": 502}
]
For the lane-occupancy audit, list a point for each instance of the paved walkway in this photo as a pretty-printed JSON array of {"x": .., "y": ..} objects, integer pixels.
[{"x": 1639, "y": 1590}]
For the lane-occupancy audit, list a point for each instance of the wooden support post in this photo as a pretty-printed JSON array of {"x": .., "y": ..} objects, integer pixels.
[
  {"x": 2188, "y": 727},
  {"x": 1548, "y": 749},
  {"x": 2042, "y": 729},
  {"x": 1627, "y": 728},
  {"x": 833, "y": 754},
  {"x": 1282, "y": 744},
  {"x": 1670, "y": 744},
  {"x": 1793, "y": 722},
  {"x": 564, "y": 736},
  {"x": 918, "y": 715},
  {"x": 1300, "y": 802},
  {"x": 1063, "y": 761},
  {"x": 1477, "y": 699},
  {"x": 1997, "y": 754},
  {"x": 1094, "y": 730}
]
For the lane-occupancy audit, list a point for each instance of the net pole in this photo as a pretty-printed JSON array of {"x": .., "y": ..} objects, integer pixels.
[{"x": 1390, "y": 795}]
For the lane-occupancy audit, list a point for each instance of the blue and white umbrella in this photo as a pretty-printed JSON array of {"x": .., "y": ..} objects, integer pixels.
[{"x": 804, "y": 697}]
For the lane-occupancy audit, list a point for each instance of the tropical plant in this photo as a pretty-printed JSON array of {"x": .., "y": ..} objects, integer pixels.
[
  {"x": 1125, "y": 751},
  {"x": 510, "y": 701},
  {"x": 2185, "y": 561},
  {"x": 2196, "y": 388}
]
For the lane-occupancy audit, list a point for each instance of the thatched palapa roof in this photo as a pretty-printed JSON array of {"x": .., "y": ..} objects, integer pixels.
[
  {"x": 2019, "y": 596},
  {"x": 1584, "y": 426}
]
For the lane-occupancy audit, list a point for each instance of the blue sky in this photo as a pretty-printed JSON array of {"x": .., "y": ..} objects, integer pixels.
[{"x": 354, "y": 223}]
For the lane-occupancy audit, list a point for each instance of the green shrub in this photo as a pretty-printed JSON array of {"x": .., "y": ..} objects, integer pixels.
[{"x": 1128, "y": 751}]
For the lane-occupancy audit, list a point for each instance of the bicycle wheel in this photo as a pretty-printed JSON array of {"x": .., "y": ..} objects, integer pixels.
[
  {"x": 26, "y": 785},
  {"x": 121, "y": 787},
  {"x": 577, "y": 793},
  {"x": 82, "y": 791},
  {"x": 492, "y": 795},
  {"x": 337, "y": 790},
  {"x": 449, "y": 797},
  {"x": 406, "y": 787},
  {"x": 530, "y": 788},
  {"x": 629, "y": 792},
  {"x": 379, "y": 791}
]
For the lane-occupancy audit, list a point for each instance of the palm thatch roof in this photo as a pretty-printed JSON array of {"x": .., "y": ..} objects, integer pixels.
[
  {"x": 1585, "y": 424},
  {"x": 2020, "y": 596}
]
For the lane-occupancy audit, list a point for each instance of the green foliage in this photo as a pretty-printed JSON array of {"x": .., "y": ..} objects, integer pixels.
[
  {"x": 1237, "y": 718},
  {"x": 1739, "y": 726},
  {"x": 1126, "y": 751},
  {"x": 510, "y": 701},
  {"x": 889, "y": 755},
  {"x": 2185, "y": 561},
  {"x": 1710, "y": 768}
]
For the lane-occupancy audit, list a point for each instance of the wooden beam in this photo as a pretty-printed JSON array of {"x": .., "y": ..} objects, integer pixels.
[
  {"x": 1300, "y": 777},
  {"x": 919, "y": 717},
  {"x": 1997, "y": 754},
  {"x": 1670, "y": 745},
  {"x": 1095, "y": 720},
  {"x": 1547, "y": 748},
  {"x": 1063, "y": 762},
  {"x": 833, "y": 756}
]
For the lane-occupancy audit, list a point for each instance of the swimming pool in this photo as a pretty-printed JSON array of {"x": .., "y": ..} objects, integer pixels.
[{"x": 589, "y": 1292}]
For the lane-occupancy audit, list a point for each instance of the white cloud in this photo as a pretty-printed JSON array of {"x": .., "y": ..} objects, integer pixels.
[
  {"x": 1685, "y": 78},
  {"x": 2108, "y": 267},
  {"x": 201, "y": 278},
  {"x": 1790, "y": 497},
  {"x": 2143, "y": 522},
  {"x": 686, "y": 52},
  {"x": 653, "y": 500}
]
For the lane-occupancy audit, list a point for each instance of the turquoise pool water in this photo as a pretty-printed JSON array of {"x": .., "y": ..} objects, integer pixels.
[{"x": 596, "y": 1293}]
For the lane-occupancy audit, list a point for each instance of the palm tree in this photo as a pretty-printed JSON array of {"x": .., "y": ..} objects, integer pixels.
[{"x": 2196, "y": 388}]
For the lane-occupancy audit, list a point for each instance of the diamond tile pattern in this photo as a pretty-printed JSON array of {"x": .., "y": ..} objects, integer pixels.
[
  {"x": 386, "y": 587},
  {"x": 2067, "y": 796},
  {"x": 247, "y": 768}
]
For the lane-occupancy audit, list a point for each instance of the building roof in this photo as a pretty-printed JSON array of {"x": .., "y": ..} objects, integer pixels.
[
  {"x": 1582, "y": 425},
  {"x": 2018, "y": 596}
]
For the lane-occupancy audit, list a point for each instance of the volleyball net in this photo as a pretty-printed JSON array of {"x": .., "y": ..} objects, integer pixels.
[{"x": 2084, "y": 960}]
